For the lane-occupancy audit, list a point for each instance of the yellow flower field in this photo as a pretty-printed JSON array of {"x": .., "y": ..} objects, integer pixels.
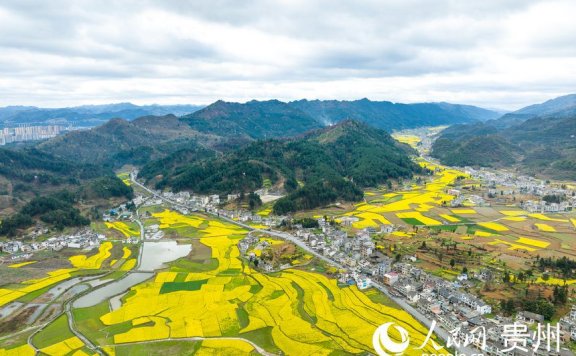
[
  {"x": 271, "y": 241},
  {"x": 533, "y": 242},
  {"x": 513, "y": 246},
  {"x": 515, "y": 218},
  {"x": 24, "y": 350},
  {"x": 207, "y": 307},
  {"x": 555, "y": 281},
  {"x": 64, "y": 347},
  {"x": 79, "y": 262},
  {"x": 21, "y": 264},
  {"x": 362, "y": 224},
  {"x": 545, "y": 227},
  {"x": 169, "y": 218},
  {"x": 513, "y": 212},
  {"x": 401, "y": 234},
  {"x": 418, "y": 216},
  {"x": 264, "y": 212},
  {"x": 95, "y": 261},
  {"x": 411, "y": 140},
  {"x": 126, "y": 252},
  {"x": 212, "y": 347},
  {"x": 128, "y": 265},
  {"x": 493, "y": 226},
  {"x": 374, "y": 217},
  {"x": 482, "y": 233},
  {"x": 546, "y": 218},
  {"x": 463, "y": 211},
  {"x": 123, "y": 228},
  {"x": 125, "y": 177},
  {"x": 449, "y": 218}
]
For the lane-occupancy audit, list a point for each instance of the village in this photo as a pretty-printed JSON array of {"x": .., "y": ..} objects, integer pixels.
[
  {"x": 506, "y": 184},
  {"x": 448, "y": 303}
]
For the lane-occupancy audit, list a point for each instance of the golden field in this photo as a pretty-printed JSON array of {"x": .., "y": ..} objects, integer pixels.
[
  {"x": 79, "y": 262},
  {"x": 305, "y": 313}
]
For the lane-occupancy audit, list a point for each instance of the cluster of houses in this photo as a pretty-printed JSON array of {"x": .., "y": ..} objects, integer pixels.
[
  {"x": 336, "y": 245},
  {"x": 255, "y": 245},
  {"x": 463, "y": 199},
  {"x": 511, "y": 184},
  {"x": 447, "y": 302},
  {"x": 542, "y": 206},
  {"x": 568, "y": 323},
  {"x": 431, "y": 294},
  {"x": 18, "y": 250},
  {"x": 249, "y": 217},
  {"x": 183, "y": 201}
]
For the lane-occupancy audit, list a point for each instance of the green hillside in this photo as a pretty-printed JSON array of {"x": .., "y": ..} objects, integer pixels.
[{"x": 332, "y": 163}]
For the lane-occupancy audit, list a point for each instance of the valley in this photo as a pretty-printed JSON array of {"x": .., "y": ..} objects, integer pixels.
[{"x": 447, "y": 223}]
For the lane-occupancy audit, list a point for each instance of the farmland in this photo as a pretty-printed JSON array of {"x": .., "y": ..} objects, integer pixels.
[
  {"x": 426, "y": 206},
  {"x": 293, "y": 311},
  {"x": 216, "y": 300}
]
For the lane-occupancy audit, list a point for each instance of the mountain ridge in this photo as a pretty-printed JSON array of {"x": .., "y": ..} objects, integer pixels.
[
  {"x": 330, "y": 163},
  {"x": 536, "y": 139}
]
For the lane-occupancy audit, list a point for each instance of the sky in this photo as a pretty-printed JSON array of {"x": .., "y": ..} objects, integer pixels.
[{"x": 502, "y": 54}]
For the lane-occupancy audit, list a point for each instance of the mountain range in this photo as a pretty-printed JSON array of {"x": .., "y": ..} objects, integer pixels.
[
  {"x": 539, "y": 139},
  {"x": 87, "y": 115},
  {"x": 382, "y": 114},
  {"x": 393, "y": 116},
  {"x": 317, "y": 152}
]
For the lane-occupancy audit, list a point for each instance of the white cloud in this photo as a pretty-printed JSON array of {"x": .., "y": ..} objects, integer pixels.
[{"x": 492, "y": 53}]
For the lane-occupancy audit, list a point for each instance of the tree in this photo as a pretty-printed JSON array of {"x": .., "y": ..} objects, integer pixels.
[
  {"x": 452, "y": 263},
  {"x": 507, "y": 306},
  {"x": 521, "y": 277},
  {"x": 464, "y": 270},
  {"x": 254, "y": 200}
]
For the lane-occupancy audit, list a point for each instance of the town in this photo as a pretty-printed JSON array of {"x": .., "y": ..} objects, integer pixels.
[{"x": 25, "y": 133}]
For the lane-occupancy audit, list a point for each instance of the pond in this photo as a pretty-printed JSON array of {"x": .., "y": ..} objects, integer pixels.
[
  {"x": 154, "y": 255},
  {"x": 106, "y": 292}
]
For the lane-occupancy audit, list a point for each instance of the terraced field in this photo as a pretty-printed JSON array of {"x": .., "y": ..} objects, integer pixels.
[
  {"x": 234, "y": 307},
  {"x": 427, "y": 204},
  {"x": 56, "y": 338},
  {"x": 79, "y": 262}
]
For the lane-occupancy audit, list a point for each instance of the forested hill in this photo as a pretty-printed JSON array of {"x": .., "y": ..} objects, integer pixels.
[
  {"x": 560, "y": 108},
  {"x": 223, "y": 126},
  {"x": 25, "y": 173},
  {"x": 253, "y": 120},
  {"x": 319, "y": 168},
  {"x": 544, "y": 146},
  {"x": 119, "y": 141},
  {"x": 43, "y": 187},
  {"x": 393, "y": 116}
]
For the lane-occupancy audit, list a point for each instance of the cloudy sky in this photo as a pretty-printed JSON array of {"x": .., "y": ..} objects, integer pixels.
[{"x": 493, "y": 53}]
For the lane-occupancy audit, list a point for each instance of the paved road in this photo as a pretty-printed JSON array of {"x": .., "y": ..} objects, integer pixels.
[{"x": 443, "y": 334}]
